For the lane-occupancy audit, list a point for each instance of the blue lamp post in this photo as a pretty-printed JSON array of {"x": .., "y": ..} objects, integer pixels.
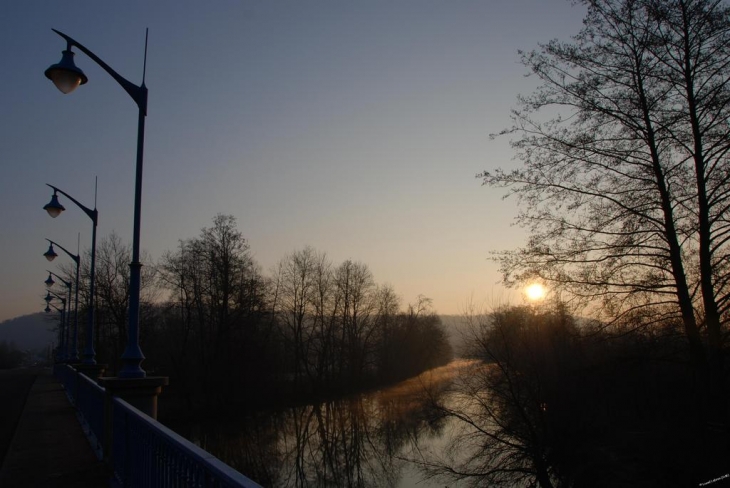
[
  {"x": 62, "y": 327},
  {"x": 67, "y": 354},
  {"x": 49, "y": 283},
  {"x": 59, "y": 348},
  {"x": 67, "y": 77},
  {"x": 54, "y": 209}
]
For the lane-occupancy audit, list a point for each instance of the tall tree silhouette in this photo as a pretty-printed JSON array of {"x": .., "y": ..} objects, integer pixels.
[{"x": 624, "y": 187}]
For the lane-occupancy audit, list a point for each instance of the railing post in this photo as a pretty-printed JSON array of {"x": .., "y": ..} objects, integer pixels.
[
  {"x": 108, "y": 429},
  {"x": 142, "y": 394},
  {"x": 127, "y": 469}
]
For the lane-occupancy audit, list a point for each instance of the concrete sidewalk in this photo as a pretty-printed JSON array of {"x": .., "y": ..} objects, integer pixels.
[{"x": 49, "y": 448}]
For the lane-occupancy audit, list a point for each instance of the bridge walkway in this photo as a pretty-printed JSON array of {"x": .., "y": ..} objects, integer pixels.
[{"x": 47, "y": 447}]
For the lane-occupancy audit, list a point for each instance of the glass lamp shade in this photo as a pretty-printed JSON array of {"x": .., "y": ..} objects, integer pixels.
[
  {"x": 54, "y": 208},
  {"x": 65, "y": 74},
  {"x": 48, "y": 297},
  {"x": 50, "y": 254},
  {"x": 49, "y": 282},
  {"x": 47, "y": 309}
]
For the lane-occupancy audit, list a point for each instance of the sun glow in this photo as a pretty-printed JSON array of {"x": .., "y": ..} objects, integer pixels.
[{"x": 535, "y": 292}]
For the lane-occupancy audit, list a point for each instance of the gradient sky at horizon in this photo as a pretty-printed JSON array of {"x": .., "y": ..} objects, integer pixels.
[{"x": 353, "y": 127}]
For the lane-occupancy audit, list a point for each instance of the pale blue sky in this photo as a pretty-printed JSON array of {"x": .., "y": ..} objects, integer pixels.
[{"x": 355, "y": 127}]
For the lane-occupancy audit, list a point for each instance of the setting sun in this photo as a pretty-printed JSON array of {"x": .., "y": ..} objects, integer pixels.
[{"x": 535, "y": 292}]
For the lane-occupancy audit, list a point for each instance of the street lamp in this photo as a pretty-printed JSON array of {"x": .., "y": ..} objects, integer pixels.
[
  {"x": 54, "y": 209},
  {"x": 50, "y": 254},
  {"x": 67, "y": 76},
  {"x": 63, "y": 342},
  {"x": 59, "y": 349},
  {"x": 75, "y": 349},
  {"x": 68, "y": 314}
]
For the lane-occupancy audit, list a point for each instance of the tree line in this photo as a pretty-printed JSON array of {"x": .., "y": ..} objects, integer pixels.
[{"x": 225, "y": 331}]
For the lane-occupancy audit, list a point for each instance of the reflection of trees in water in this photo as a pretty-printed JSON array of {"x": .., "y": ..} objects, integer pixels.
[
  {"x": 248, "y": 444},
  {"x": 503, "y": 402},
  {"x": 492, "y": 442},
  {"x": 330, "y": 444},
  {"x": 354, "y": 442}
]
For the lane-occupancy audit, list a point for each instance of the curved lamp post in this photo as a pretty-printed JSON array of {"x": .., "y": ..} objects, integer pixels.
[
  {"x": 54, "y": 209},
  {"x": 59, "y": 348},
  {"x": 62, "y": 342},
  {"x": 67, "y": 332},
  {"x": 67, "y": 77},
  {"x": 49, "y": 283}
]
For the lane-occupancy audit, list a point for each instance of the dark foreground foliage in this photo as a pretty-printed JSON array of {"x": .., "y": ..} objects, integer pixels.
[{"x": 557, "y": 404}]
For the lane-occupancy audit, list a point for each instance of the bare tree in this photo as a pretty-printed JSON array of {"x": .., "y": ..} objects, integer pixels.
[
  {"x": 296, "y": 284},
  {"x": 356, "y": 292},
  {"x": 341, "y": 330},
  {"x": 500, "y": 401},
  {"x": 217, "y": 301},
  {"x": 624, "y": 187}
]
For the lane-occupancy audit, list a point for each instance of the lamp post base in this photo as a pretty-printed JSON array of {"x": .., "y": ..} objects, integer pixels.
[
  {"x": 93, "y": 371},
  {"x": 141, "y": 393}
]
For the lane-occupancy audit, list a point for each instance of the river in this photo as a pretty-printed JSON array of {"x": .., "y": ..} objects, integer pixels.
[{"x": 366, "y": 440}]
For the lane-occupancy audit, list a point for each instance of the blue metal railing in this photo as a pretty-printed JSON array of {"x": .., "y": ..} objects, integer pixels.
[
  {"x": 72, "y": 384},
  {"x": 90, "y": 405},
  {"x": 143, "y": 452},
  {"x": 148, "y": 454},
  {"x": 65, "y": 373}
]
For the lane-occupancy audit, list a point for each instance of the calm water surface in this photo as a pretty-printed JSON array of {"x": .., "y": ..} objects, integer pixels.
[{"x": 362, "y": 441}]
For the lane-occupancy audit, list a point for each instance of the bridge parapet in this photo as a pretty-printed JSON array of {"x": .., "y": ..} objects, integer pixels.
[{"x": 140, "y": 451}]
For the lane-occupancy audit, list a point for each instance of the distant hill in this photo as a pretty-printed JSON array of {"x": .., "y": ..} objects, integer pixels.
[
  {"x": 459, "y": 332},
  {"x": 34, "y": 331},
  {"x": 456, "y": 330}
]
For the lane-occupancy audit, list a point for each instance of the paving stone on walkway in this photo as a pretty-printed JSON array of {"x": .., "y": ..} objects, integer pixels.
[
  {"x": 49, "y": 448},
  {"x": 15, "y": 385}
]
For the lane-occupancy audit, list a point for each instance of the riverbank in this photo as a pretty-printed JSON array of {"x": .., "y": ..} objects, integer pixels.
[
  {"x": 332, "y": 442},
  {"x": 175, "y": 408}
]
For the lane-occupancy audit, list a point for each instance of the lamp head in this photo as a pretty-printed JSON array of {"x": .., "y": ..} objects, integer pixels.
[
  {"x": 51, "y": 253},
  {"x": 65, "y": 74},
  {"x": 49, "y": 282},
  {"x": 54, "y": 208},
  {"x": 47, "y": 309},
  {"x": 48, "y": 297}
]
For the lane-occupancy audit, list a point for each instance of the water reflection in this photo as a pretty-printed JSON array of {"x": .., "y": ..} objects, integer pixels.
[{"x": 354, "y": 442}]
